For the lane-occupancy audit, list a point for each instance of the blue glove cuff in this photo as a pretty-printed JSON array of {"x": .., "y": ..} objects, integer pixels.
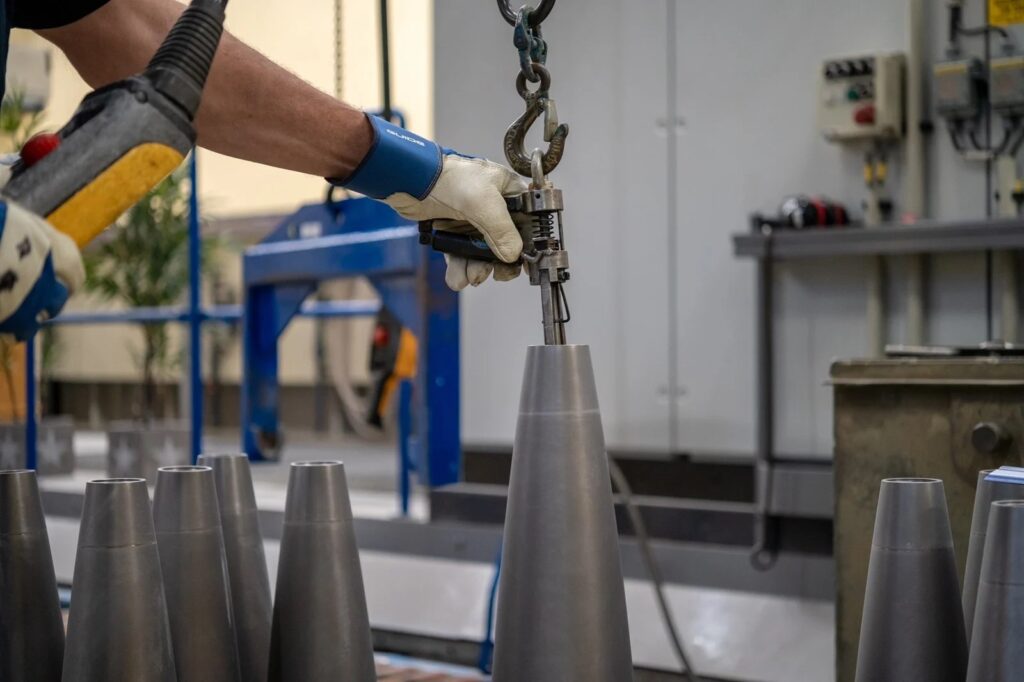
[{"x": 398, "y": 161}]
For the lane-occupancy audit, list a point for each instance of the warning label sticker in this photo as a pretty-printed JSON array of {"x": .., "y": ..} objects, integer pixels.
[{"x": 1006, "y": 12}]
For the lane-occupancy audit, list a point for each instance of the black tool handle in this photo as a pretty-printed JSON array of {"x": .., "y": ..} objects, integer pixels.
[{"x": 456, "y": 244}]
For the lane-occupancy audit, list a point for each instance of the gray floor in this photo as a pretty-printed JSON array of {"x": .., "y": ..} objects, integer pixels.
[{"x": 370, "y": 466}]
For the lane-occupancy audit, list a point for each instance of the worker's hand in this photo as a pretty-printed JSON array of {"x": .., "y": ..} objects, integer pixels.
[
  {"x": 39, "y": 268},
  {"x": 422, "y": 181}
]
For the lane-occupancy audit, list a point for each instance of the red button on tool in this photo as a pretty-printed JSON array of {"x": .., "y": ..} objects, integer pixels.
[
  {"x": 381, "y": 337},
  {"x": 39, "y": 146},
  {"x": 864, "y": 115}
]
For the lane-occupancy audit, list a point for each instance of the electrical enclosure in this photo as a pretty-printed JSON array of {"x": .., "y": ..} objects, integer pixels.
[{"x": 861, "y": 98}]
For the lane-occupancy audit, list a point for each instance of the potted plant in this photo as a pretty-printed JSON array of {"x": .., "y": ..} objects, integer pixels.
[
  {"x": 55, "y": 434},
  {"x": 144, "y": 263}
]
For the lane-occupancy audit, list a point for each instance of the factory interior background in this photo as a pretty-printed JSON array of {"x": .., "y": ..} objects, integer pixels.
[{"x": 795, "y": 232}]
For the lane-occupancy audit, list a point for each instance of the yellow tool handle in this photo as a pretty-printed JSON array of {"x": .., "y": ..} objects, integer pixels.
[{"x": 96, "y": 205}]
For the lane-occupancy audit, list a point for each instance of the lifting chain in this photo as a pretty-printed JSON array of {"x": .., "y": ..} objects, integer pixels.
[{"x": 533, "y": 53}]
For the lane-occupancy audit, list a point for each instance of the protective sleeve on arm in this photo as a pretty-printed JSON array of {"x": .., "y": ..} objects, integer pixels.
[{"x": 398, "y": 162}]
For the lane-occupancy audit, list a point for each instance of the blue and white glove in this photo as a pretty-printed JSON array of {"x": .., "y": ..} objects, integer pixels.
[
  {"x": 39, "y": 269},
  {"x": 423, "y": 181}
]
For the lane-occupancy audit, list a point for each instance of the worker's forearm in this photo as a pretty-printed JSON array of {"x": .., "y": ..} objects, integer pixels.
[{"x": 251, "y": 109}]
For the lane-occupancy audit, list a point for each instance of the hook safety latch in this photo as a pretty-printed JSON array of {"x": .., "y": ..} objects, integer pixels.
[{"x": 537, "y": 103}]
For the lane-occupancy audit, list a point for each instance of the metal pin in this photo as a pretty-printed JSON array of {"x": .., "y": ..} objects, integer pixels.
[
  {"x": 194, "y": 569},
  {"x": 561, "y": 603},
  {"x": 912, "y": 628},
  {"x": 321, "y": 630},
  {"x": 31, "y": 625},
  {"x": 118, "y": 629}
]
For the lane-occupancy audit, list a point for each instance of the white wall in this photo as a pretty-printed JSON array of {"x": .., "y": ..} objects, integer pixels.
[{"x": 745, "y": 77}]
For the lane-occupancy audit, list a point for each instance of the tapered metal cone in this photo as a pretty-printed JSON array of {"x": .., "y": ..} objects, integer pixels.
[
  {"x": 561, "y": 602},
  {"x": 118, "y": 629},
  {"x": 987, "y": 492},
  {"x": 195, "y": 574},
  {"x": 31, "y": 625},
  {"x": 912, "y": 627},
  {"x": 997, "y": 647},
  {"x": 321, "y": 630},
  {"x": 247, "y": 564}
]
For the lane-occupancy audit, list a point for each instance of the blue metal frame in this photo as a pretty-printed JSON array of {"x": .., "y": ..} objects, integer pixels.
[
  {"x": 351, "y": 238},
  {"x": 356, "y": 237},
  {"x": 194, "y": 314},
  {"x": 195, "y": 320},
  {"x": 30, "y": 401}
]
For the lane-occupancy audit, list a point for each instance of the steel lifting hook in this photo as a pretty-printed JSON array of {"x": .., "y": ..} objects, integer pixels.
[{"x": 537, "y": 103}]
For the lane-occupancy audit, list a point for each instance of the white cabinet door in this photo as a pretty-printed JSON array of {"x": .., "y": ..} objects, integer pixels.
[
  {"x": 637, "y": 415},
  {"x": 746, "y": 87}
]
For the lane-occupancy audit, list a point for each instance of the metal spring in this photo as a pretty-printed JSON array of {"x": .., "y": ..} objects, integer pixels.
[{"x": 544, "y": 228}]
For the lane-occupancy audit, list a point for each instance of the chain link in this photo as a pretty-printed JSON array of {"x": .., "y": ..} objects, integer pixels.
[{"x": 533, "y": 54}]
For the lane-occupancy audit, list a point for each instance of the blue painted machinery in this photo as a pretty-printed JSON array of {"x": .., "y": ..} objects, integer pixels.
[{"x": 355, "y": 238}]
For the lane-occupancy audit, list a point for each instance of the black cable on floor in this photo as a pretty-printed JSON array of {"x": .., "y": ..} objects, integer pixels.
[{"x": 644, "y": 541}]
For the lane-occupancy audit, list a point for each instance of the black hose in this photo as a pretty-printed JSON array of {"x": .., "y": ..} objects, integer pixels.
[
  {"x": 385, "y": 62},
  {"x": 644, "y": 541},
  {"x": 984, "y": 30},
  {"x": 955, "y": 21},
  {"x": 181, "y": 64}
]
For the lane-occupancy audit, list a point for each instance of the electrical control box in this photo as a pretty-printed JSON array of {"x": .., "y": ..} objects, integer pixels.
[
  {"x": 1006, "y": 84},
  {"x": 861, "y": 98},
  {"x": 958, "y": 89}
]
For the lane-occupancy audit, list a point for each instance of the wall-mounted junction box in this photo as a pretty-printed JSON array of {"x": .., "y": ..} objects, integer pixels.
[
  {"x": 1006, "y": 84},
  {"x": 958, "y": 89},
  {"x": 861, "y": 98}
]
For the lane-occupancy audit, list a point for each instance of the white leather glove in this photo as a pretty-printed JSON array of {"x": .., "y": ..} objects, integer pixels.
[
  {"x": 424, "y": 181},
  {"x": 39, "y": 268},
  {"x": 471, "y": 191}
]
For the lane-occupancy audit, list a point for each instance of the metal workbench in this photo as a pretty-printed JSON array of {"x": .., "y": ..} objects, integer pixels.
[{"x": 768, "y": 246}]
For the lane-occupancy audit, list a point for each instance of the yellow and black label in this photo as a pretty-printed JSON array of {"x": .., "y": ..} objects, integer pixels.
[
  {"x": 1005, "y": 12},
  {"x": 98, "y": 204}
]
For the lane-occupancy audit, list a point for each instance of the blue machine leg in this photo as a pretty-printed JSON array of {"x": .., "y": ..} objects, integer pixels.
[
  {"x": 438, "y": 401},
  {"x": 195, "y": 314},
  {"x": 30, "y": 402},
  {"x": 405, "y": 436},
  {"x": 259, "y": 381}
]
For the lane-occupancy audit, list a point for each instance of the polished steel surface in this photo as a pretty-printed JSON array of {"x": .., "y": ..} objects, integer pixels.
[
  {"x": 912, "y": 626},
  {"x": 118, "y": 630},
  {"x": 561, "y": 604},
  {"x": 247, "y": 564},
  {"x": 321, "y": 628},
  {"x": 997, "y": 646},
  {"x": 987, "y": 493},
  {"x": 31, "y": 626},
  {"x": 194, "y": 568}
]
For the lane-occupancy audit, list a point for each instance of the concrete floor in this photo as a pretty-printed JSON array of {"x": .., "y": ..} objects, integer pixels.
[
  {"x": 371, "y": 468},
  {"x": 731, "y": 635}
]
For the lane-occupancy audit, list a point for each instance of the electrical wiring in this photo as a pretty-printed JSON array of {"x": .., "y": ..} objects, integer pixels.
[{"x": 644, "y": 542}]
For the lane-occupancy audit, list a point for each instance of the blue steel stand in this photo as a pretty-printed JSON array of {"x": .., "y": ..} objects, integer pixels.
[
  {"x": 352, "y": 238},
  {"x": 30, "y": 403},
  {"x": 195, "y": 313}
]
